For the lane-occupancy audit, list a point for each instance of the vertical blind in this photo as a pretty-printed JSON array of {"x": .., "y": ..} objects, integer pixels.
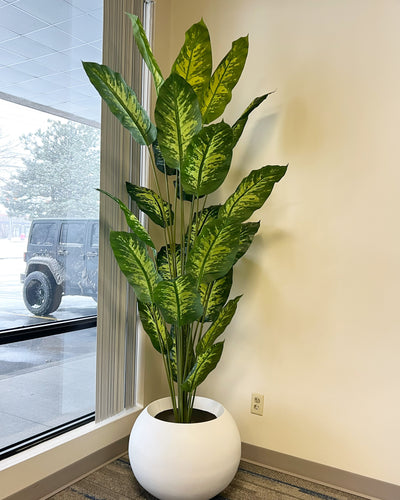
[{"x": 120, "y": 161}]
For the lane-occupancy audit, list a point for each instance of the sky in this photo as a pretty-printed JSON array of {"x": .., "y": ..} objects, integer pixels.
[{"x": 16, "y": 120}]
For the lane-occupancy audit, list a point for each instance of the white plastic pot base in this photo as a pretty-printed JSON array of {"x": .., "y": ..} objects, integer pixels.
[{"x": 184, "y": 461}]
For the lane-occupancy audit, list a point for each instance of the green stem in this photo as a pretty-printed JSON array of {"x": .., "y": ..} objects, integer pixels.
[
  {"x": 167, "y": 363},
  {"x": 167, "y": 229}
]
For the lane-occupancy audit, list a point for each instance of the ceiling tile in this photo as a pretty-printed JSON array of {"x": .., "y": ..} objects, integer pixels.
[
  {"x": 32, "y": 68},
  {"x": 58, "y": 62},
  {"x": 86, "y": 5},
  {"x": 41, "y": 86},
  {"x": 10, "y": 75},
  {"x": 85, "y": 28},
  {"x": 6, "y": 34},
  {"x": 26, "y": 47},
  {"x": 51, "y": 11},
  {"x": 97, "y": 14},
  {"x": 79, "y": 75},
  {"x": 8, "y": 58},
  {"x": 54, "y": 38},
  {"x": 21, "y": 22},
  {"x": 83, "y": 53},
  {"x": 42, "y": 44},
  {"x": 98, "y": 44}
]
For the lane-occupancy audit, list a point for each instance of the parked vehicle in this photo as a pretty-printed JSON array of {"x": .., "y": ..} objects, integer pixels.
[{"x": 61, "y": 259}]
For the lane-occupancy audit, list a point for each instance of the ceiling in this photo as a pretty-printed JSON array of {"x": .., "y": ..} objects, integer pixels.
[{"x": 42, "y": 44}]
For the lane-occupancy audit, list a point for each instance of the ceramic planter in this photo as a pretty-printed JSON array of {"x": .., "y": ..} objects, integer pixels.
[{"x": 184, "y": 461}]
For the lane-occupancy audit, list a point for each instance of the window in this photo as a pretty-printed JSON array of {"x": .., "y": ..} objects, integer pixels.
[
  {"x": 49, "y": 211},
  {"x": 116, "y": 325}
]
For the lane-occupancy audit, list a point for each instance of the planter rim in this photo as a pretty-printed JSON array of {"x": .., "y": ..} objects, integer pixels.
[{"x": 200, "y": 403}]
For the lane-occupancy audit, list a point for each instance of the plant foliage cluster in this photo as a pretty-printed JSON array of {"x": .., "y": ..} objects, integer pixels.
[
  {"x": 60, "y": 174},
  {"x": 183, "y": 287}
]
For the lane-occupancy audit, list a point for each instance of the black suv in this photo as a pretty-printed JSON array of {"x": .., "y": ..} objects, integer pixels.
[{"x": 61, "y": 259}]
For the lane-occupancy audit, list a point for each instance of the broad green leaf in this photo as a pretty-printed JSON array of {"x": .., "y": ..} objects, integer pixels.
[
  {"x": 122, "y": 101},
  {"x": 240, "y": 123},
  {"x": 219, "y": 91},
  {"x": 159, "y": 211},
  {"x": 194, "y": 62},
  {"x": 145, "y": 51},
  {"x": 159, "y": 160},
  {"x": 178, "y": 300},
  {"x": 214, "y": 251},
  {"x": 214, "y": 295},
  {"x": 135, "y": 263},
  {"x": 207, "y": 160},
  {"x": 178, "y": 118},
  {"x": 154, "y": 326},
  {"x": 201, "y": 218},
  {"x": 165, "y": 262},
  {"x": 247, "y": 232},
  {"x": 251, "y": 193},
  {"x": 218, "y": 327},
  {"x": 205, "y": 364},
  {"x": 185, "y": 196},
  {"x": 132, "y": 221}
]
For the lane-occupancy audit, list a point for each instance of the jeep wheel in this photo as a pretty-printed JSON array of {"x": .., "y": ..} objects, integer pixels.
[{"x": 40, "y": 296}]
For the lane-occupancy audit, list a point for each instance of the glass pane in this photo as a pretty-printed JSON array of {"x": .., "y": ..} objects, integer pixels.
[
  {"x": 49, "y": 229},
  {"x": 45, "y": 382},
  {"x": 49, "y": 161}
]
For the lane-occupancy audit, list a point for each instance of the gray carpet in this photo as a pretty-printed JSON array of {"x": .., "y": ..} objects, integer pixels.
[{"x": 115, "y": 481}]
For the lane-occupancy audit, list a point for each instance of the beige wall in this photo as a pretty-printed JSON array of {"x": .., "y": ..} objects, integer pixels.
[{"x": 317, "y": 331}]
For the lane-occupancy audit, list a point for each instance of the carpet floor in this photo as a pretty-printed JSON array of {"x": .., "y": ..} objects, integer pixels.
[{"x": 115, "y": 481}]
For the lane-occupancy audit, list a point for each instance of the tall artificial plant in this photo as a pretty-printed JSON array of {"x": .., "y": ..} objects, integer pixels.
[{"x": 183, "y": 287}]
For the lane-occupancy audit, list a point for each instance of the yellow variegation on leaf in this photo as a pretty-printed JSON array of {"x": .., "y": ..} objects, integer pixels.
[{"x": 122, "y": 101}]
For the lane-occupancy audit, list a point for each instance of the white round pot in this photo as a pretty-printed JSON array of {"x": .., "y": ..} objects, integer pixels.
[{"x": 184, "y": 461}]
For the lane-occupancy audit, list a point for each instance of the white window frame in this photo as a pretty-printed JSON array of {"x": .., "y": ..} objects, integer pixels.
[{"x": 51, "y": 465}]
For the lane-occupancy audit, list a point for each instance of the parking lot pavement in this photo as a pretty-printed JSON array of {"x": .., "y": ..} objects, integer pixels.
[
  {"x": 48, "y": 381},
  {"x": 45, "y": 383}
]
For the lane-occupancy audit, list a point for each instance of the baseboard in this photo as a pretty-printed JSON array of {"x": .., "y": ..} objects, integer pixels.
[
  {"x": 59, "y": 480},
  {"x": 347, "y": 481}
]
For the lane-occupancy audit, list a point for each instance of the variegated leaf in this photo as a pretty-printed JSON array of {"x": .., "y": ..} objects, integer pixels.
[
  {"x": 154, "y": 326},
  {"x": 178, "y": 300},
  {"x": 218, "y": 327},
  {"x": 207, "y": 160},
  {"x": 200, "y": 219},
  {"x": 214, "y": 251},
  {"x": 132, "y": 221},
  {"x": 178, "y": 119},
  {"x": 251, "y": 193},
  {"x": 194, "y": 62},
  {"x": 122, "y": 101},
  {"x": 181, "y": 192},
  {"x": 219, "y": 91},
  {"x": 247, "y": 232},
  {"x": 145, "y": 51},
  {"x": 240, "y": 123},
  {"x": 159, "y": 211},
  {"x": 169, "y": 263},
  {"x": 159, "y": 160},
  {"x": 205, "y": 364},
  {"x": 135, "y": 263},
  {"x": 214, "y": 295}
]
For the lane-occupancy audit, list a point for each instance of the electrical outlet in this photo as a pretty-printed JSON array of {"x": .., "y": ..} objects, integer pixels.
[{"x": 257, "y": 403}]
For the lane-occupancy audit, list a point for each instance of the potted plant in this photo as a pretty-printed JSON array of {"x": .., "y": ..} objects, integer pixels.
[{"x": 183, "y": 287}]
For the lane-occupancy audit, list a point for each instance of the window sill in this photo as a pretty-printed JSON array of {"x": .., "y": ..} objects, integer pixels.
[{"x": 52, "y": 465}]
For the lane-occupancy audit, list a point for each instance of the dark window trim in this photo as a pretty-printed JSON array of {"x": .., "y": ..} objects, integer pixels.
[
  {"x": 27, "y": 443},
  {"x": 46, "y": 329}
]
